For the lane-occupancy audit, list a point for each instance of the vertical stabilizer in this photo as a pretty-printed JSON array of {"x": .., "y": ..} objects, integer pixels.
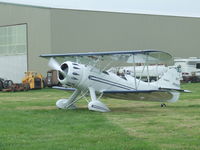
[{"x": 170, "y": 79}]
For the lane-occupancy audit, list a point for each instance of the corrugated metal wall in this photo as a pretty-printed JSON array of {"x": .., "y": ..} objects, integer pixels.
[{"x": 79, "y": 31}]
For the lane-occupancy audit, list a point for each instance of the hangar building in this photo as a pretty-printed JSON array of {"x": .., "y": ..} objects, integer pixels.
[{"x": 28, "y": 31}]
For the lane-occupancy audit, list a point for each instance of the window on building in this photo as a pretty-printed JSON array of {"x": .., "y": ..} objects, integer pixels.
[
  {"x": 13, "y": 40},
  {"x": 198, "y": 65}
]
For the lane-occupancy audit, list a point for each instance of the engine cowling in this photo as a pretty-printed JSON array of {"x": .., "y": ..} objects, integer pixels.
[{"x": 70, "y": 73}]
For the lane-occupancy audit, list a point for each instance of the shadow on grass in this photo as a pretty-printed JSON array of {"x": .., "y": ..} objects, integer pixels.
[
  {"x": 135, "y": 109},
  {"x": 151, "y": 109},
  {"x": 185, "y": 106},
  {"x": 116, "y": 109}
]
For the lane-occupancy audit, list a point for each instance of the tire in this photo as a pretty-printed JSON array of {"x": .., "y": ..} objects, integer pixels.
[
  {"x": 7, "y": 83},
  {"x": 1, "y": 85}
]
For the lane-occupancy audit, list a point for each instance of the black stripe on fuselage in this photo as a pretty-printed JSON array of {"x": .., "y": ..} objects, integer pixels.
[{"x": 101, "y": 80}]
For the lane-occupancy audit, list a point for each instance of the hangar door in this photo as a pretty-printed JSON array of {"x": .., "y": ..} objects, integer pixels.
[{"x": 13, "y": 52}]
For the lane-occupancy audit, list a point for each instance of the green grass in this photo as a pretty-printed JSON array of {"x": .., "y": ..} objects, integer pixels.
[{"x": 30, "y": 120}]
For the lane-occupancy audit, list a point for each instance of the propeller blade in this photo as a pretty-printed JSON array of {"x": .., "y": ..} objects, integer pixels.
[{"x": 54, "y": 64}]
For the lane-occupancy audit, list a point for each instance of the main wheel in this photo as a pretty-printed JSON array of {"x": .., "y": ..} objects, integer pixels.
[{"x": 163, "y": 105}]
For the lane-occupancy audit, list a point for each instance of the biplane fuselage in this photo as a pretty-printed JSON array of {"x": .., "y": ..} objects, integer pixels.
[{"x": 81, "y": 76}]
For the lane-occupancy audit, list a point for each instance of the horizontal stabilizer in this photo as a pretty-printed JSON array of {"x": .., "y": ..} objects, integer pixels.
[
  {"x": 63, "y": 88},
  {"x": 179, "y": 90}
]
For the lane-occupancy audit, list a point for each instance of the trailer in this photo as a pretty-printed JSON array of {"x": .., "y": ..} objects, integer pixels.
[{"x": 190, "y": 68}]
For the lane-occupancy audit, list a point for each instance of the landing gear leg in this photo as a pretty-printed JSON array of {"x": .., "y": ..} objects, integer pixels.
[
  {"x": 95, "y": 104},
  {"x": 68, "y": 103},
  {"x": 163, "y": 105}
]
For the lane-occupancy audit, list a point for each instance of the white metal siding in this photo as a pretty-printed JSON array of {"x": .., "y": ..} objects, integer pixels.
[{"x": 13, "y": 67}]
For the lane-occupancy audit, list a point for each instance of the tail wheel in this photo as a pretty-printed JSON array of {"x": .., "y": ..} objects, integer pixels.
[{"x": 163, "y": 105}]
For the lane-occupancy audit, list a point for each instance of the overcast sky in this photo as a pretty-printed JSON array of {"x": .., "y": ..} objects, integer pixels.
[{"x": 162, "y": 7}]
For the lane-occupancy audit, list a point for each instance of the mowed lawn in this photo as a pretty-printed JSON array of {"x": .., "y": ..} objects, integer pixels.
[{"x": 30, "y": 121}]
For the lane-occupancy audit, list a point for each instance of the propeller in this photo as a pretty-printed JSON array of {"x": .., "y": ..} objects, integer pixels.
[{"x": 54, "y": 64}]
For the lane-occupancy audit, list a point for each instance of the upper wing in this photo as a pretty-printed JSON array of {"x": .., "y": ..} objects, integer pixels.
[{"x": 106, "y": 60}]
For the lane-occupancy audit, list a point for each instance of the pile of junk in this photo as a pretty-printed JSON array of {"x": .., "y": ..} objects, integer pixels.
[
  {"x": 32, "y": 80},
  {"x": 4, "y": 84}
]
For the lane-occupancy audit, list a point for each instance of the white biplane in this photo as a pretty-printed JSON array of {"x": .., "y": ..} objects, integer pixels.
[{"x": 87, "y": 73}]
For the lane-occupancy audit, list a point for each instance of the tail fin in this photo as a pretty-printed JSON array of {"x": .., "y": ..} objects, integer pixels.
[{"x": 170, "y": 79}]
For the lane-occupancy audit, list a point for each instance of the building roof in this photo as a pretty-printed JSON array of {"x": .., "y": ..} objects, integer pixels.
[{"x": 184, "y": 8}]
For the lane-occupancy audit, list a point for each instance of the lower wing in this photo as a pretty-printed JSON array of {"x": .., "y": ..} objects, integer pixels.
[
  {"x": 63, "y": 88},
  {"x": 162, "y": 95},
  {"x": 144, "y": 95}
]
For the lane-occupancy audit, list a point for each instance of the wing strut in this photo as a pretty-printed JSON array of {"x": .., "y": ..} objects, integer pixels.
[
  {"x": 134, "y": 72},
  {"x": 148, "y": 78},
  {"x": 68, "y": 103}
]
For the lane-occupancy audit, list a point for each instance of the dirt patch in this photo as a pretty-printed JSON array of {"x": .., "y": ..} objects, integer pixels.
[{"x": 36, "y": 108}]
